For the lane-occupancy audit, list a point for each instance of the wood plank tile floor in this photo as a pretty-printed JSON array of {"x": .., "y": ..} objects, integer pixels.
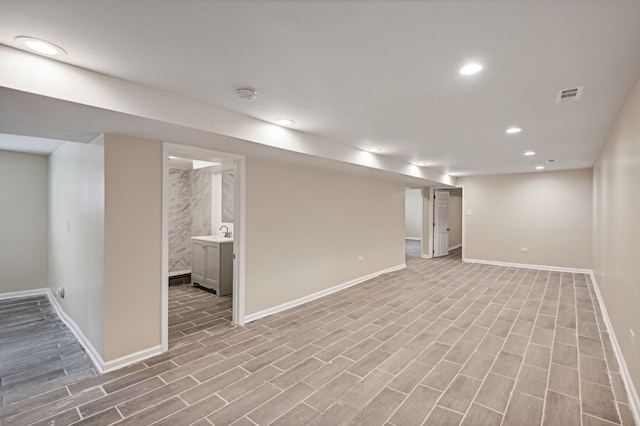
[
  {"x": 39, "y": 356},
  {"x": 441, "y": 342}
]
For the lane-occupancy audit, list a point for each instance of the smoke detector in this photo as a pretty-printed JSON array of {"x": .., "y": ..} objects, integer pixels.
[
  {"x": 247, "y": 93},
  {"x": 569, "y": 95}
]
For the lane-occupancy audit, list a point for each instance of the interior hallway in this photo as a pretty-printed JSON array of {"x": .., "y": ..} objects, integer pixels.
[{"x": 441, "y": 342}]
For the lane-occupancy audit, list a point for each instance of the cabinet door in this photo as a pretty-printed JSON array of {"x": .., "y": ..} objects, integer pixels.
[
  {"x": 198, "y": 263},
  {"x": 212, "y": 266}
]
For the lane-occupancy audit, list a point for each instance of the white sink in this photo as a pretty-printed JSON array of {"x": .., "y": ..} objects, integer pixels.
[{"x": 213, "y": 239}]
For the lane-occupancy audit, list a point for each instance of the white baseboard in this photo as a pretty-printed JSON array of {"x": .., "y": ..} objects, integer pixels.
[
  {"x": 426, "y": 256},
  {"x": 174, "y": 273},
  {"x": 413, "y": 238},
  {"x": 457, "y": 246},
  {"x": 319, "y": 294},
  {"x": 527, "y": 266},
  {"x": 24, "y": 293},
  {"x": 632, "y": 394},
  {"x": 118, "y": 363},
  {"x": 95, "y": 357},
  {"x": 99, "y": 364}
]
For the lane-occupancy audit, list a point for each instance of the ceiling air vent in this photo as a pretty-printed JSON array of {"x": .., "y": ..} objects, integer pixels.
[{"x": 569, "y": 95}]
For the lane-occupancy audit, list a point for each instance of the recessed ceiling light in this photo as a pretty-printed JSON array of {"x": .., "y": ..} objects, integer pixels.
[
  {"x": 285, "y": 122},
  {"x": 529, "y": 153},
  {"x": 470, "y": 69},
  {"x": 41, "y": 46},
  {"x": 513, "y": 130},
  {"x": 373, "y": 149},
  {"x": 539, "y": 167}
]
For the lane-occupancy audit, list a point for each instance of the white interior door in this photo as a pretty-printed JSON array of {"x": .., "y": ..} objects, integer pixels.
[{"x": 440, "y": 223}]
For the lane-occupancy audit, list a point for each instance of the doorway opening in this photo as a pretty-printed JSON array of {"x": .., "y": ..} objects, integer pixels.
[
  {"x": 202, "y": 241},
  {"x": 413, "y": 215},
  {"x": 446, "y": 219}
]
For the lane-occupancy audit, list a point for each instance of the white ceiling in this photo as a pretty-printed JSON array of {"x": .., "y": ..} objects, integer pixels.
[{"x": 372, "y": 74}]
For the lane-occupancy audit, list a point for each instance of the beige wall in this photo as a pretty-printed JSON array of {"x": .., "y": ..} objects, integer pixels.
[
  {"x": 132, "y": 244},
  {"x": 306, "y": 227},
  {"x": 616, "y": 231},
  {"x": 548, "y": 213},
  {"x": 76, "y": 234},
  {"x": 454, "y": 211},
  {"x": 413, "y": 213},
  {"x": 23, "y": 221}
]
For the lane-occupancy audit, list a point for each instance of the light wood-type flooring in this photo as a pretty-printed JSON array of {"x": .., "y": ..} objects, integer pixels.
[{"x": 441, "y": 342}]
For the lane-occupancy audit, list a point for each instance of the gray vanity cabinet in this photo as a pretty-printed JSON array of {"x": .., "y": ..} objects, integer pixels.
[{"x": 212, "y": 265}]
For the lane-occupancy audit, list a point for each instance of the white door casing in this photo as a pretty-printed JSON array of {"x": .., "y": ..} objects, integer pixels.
[
  {"x": 440, "y": 223},
  {"x": 239, "y": 162}
]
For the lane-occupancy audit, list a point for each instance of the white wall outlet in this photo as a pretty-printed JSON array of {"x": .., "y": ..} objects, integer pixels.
[
  {"x": 60, "y": 292},
  {"x": 524, "y": 250},
  {"x": 468, "y": 212},
  {"x": 360, "y": 259},
  {"x": 633, "y": 337}
]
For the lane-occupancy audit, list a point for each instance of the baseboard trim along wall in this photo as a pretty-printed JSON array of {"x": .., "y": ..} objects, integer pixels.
[
  {"x": 527, "y": 266},
  {"x": 426, "y": 256},
  {"x": 174, "y": 273},
  {"x": 632, "y": 394},
  {"x": 95, "y": 357},
  {"x": 413, "y": 238},
  {"x": 99, "y": 364},
  {"x": 457, "y": 246},
  {"x": 319, "y": 294},
  {"x": 126, "y": 360},
  {"x": 25, "y": 293}
]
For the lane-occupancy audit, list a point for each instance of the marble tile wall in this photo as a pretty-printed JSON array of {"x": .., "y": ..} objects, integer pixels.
[
  {"x": 228, "y": 183},
  {"x": 189, "y": 213},
  {"x": 200, "y": 202}
]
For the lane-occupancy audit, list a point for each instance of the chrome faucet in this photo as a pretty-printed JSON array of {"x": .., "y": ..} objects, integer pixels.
[{"x": 227, "y": 234}]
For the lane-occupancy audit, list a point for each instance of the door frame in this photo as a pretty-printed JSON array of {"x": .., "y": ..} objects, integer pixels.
[
  {"x": 238, "y": 300},
  {"x": 432, "y": 189}
]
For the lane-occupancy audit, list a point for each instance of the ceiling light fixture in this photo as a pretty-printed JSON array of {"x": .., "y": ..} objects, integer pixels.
[
  {"x": 513, "y": 130},
  {"x": 285, "y": 122},
  {"x": 529, "y": 153},
  {"x": 41, "y": 46},
  {"x": 539, "y": 167},
  {"x": 247, "y": 93},
  {"x": 470, "y": 69}
]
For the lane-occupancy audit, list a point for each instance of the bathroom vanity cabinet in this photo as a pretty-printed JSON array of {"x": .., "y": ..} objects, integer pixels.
[{"x": 212, "y": 263}]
